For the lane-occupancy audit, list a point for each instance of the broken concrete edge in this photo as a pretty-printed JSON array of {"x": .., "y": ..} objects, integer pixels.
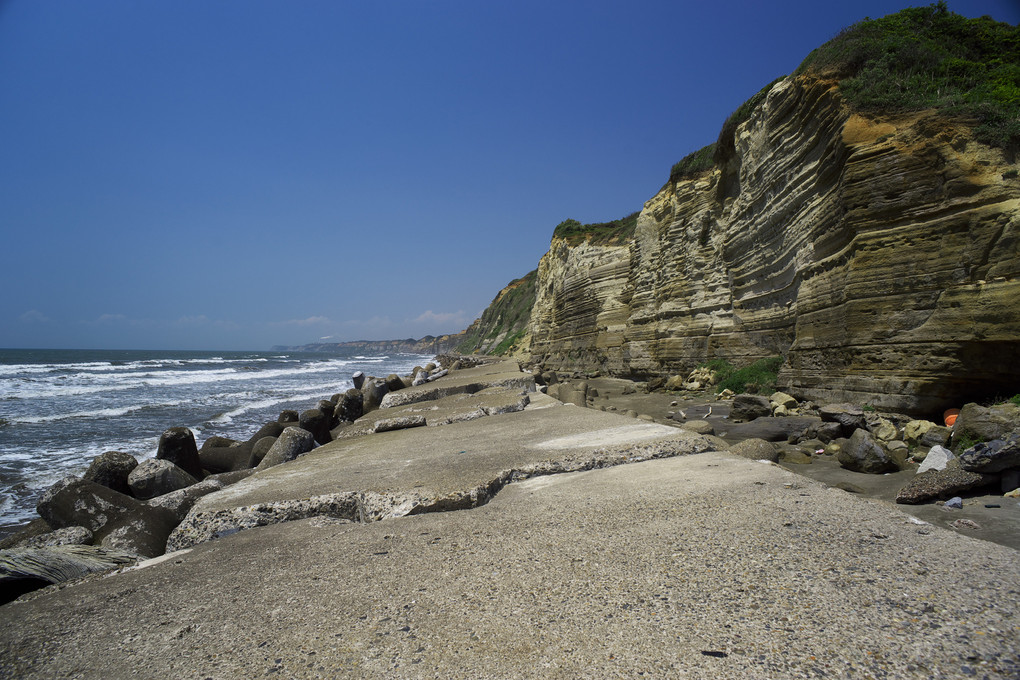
[
  {"x": 366, "y": 506},
  {"x": 438, "y": 390}
]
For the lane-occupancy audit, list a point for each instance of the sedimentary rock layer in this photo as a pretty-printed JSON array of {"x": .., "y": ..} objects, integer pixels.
[{"x": 879, "y": 256}]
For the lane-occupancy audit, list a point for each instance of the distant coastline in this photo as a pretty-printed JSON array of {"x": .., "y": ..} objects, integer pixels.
[{"x": 430, "y": 344}]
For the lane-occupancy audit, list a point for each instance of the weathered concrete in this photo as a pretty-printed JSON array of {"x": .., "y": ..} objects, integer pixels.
[
  {"x": 467, "y": 381},
  {"x": 705, "y": 566}
]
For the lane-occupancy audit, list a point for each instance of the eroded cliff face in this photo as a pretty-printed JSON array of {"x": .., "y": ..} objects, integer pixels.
[{"x": 878, "y": 256}]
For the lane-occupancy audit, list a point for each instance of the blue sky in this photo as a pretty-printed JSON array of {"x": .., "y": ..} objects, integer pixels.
[{"x": 240, "y": 173}]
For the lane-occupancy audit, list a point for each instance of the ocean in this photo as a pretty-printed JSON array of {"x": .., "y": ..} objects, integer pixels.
[{"x": 59, "y": 409}]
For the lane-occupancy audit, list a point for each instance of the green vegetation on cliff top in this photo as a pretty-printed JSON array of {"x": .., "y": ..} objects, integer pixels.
[
  {"x": 600, "y": 233},
  {"x": 919, "y": 58}
]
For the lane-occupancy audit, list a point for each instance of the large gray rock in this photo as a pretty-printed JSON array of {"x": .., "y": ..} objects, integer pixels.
[
  {"x": 349, "y": 406},
  {"x": 177, "y": 445},
  {"x": 749, "y": 407},
  {"x": 994, "y": 456},
  {"x": 116, "y": 521},
  {"x": 774, "y": 429},
  {"x": 394, "y": 382},
  {"x": 915, "y": 429},
  {"x": 271, "y": 429},
  {"x": 218, "y": 459},
  {"x": 111, "y": 469},
  {"x": 316, "y": 422},
  {"x": 941, "y": 484},
  {"x": 155, "y": 477},
  {"x": 373, "y": 392},
  {"x": 260, "y": 449},
  {"x": 179, "y": 503},
  {"x": 936, "y": 459},
  {"x": 848, "y": 416},
  {"x": 755, "y": 449},
  {"x": 862, "y": 454},
  {"x": 935, "y": 436},
  {"x": 358, "y": 379},
  {"x": 291, "y": 443},
  {"x": 985, "y": 423}
]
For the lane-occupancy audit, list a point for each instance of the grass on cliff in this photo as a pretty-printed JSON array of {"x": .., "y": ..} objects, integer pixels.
[
  {"x": 929, "y": 57},
  {"x": 758, "y": 378},
  {"x": 508, "y": 313},
  {"x": 600, "y": 233}
]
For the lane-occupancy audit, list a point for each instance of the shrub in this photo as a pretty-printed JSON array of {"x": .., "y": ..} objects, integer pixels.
[
  {"x": 693, "y": 163},
  {"x": 758, "y": 378},
  {"x": 599, "y": 233},
  {"x": 929, "y": 57}
]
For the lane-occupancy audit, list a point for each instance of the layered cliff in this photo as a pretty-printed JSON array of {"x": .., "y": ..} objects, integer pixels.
[{"x": 878, "y": 254}]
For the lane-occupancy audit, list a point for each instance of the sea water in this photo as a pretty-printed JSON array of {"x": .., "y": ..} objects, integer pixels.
[{"x": 59, "y": 409}]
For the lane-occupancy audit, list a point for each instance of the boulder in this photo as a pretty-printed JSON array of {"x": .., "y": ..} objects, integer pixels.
[
  {"x": 226, "y": 458},
  {"x": 65, "y": 536},
  {"x": 698, "y": 426},
  {"x": 216, "y": 442},
  {"x": 791, "y": 453},
  {"x": 111, "y": 469},
  {"x": 782, "y": 399},
  {"x": 358, "y": 379},
  {"x": 327, "y": 407},
  {"x": 394, "y": 383},
  {"x": 373, "y": 392},
  {"x": 914, "y": 430},
  {"x": 775, "y": 429},
  {"x": 155, "y": 477},
  {"x": 316, "y": 422},
  {"x": 179, "y": 503},
  {"x": 399, "y": 423},
  {"x": 936, "y": 459},
  {"x": 935, "y": 436},
  {"x": 291, "y": 443},
  {"x": 749, "y": 407},
  {"x": 994, "y": 456},
  {"x": 259, "y": 450},
  {"x": 674, "y": 383},
  {"x": 848, "y": 416},
  {"x": 883, "y": 430},
  {"x": 349, "y": 407},
  {"x": 420, "y": 378},
  {"x": 755, "y": 449},
  {"x": 116, "y": 521},
  {"x": 177, "y": 445},
  {"x": 862, "y": 454},
  {"x": 271, "y": 429},
  {"x": 935, "y": 484},
  {"x": 825, "y": 432},
  {"x": 550, "y": 378},
  {"x": 985, "y": 423},
  {"x": 288, "y": 416}
]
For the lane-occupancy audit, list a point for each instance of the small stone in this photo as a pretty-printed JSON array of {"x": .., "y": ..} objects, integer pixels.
[{"x": 954, "y": 503}]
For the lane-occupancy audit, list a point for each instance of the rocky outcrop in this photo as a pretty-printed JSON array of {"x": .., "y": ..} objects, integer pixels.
[{"x": 879, "y": 256}]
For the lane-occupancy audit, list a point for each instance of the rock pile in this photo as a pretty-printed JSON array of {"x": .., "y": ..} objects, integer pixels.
[{"x": 130, "y": 508}]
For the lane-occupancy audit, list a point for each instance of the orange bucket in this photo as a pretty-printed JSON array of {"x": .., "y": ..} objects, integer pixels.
[{"x": 950, "y": 416}]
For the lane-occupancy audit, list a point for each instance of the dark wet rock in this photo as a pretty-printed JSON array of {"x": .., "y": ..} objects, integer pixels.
[
  {"x": 65, "y": 536},
  {"x": 179, "y": 503},
  {"x": 941, "y": 484},
  {"x": 291, "y": 443},
  {"x": 226, "y": 458},
  {"x": 111, "y": 469},
  {"x": 271, "y": 429},
  {"x": 216, "y": 442},
  {"x": 155, "y": 477},
  {"x": 824, "y": 432},
  {"x": 115, "y": 520},
  {"x": 177, "y": 445},
  {"x": 23, "y": 570},
  {"x": 935, "y": 436},
  {"x": 848, "y": 416},
  {"x": 260, "y": 449},
  {"x": 993, "y": 456},
  {"x": 797, "y": 455},
  {"x": 862, "y": 454},
  {"x": 774, "y": 429},
  {"x": 755, "y": 449},
  {"x": 394, "y": 383},
  {"x": 316, "y": 422},
  {"x": 400, "y": 423},
  {"x": 750, "y": 406},
  {"x": 327, "y": 407},
  {"x": 349, "y": 407},
  {"x": 358, "y": 379},
  {"x": 288, "y": 416}
]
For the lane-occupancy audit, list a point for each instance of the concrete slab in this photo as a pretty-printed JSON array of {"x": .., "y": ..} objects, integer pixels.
[
  {"x": 704, "y": 566},
  {"x": 466, "y": 381},
  {"x": 428, "y": 469}
]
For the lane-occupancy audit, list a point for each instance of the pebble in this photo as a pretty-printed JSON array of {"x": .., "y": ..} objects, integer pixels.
[{"x": 955, "y": 502}]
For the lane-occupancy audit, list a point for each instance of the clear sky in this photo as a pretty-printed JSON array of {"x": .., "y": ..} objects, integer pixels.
[{"x": 234, "y": 174}]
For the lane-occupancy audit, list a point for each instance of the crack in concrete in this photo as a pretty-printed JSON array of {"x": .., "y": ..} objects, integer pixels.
[{"x": 363, "y": 507}]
